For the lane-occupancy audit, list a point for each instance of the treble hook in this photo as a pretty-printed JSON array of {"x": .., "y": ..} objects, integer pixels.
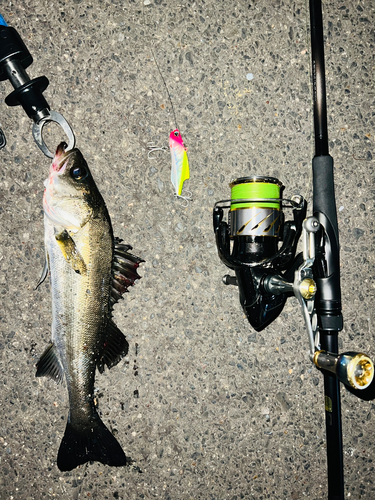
[
  {"x": 152, "y": 149},
  {"x": 186, "y": 197}
]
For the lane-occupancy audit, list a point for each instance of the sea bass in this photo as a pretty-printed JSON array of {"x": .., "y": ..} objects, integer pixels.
[{"x": 89, "y": 270}]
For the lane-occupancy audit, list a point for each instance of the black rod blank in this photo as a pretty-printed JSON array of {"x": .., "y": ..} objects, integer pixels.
[
  {"x": 318, "y": 77},
  {"x": 327, "y": 262}
]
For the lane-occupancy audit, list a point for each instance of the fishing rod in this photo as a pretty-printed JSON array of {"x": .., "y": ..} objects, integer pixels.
[
  {"x": 14, "y": 59},
  {"x": 258, "y": 244}
]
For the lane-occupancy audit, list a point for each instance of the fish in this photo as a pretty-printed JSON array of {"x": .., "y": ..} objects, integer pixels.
[
  {"x": 180, "y": 165},
  {"x": 90, "y": 270}
]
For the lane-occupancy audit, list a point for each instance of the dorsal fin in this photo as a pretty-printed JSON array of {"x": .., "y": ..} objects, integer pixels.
[{"x": 124, "y": 270}]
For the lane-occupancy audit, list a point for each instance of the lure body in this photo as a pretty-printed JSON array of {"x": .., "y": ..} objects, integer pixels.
[{"x": 180, "y": 164}]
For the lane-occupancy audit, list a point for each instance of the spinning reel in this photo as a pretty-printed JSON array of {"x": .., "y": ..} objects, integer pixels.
[{"x": 260, "y": 247}]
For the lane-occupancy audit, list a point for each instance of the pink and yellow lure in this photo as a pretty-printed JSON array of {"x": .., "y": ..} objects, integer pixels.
[{"x": 180, "y": 164}]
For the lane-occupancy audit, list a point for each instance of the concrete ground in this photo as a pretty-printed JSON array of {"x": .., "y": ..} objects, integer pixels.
[{"x": 207, "y": 408}]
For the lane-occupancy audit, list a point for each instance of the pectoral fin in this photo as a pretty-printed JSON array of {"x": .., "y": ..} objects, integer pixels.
[
  {"x": 70, "y": 252},
  {"x": 44, "y": 274}
]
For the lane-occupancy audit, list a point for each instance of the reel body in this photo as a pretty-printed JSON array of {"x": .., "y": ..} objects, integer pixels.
[{"x": 257, "y": 243}]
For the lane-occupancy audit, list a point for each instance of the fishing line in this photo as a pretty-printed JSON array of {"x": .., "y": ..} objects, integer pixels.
[
  {"x": 165, "y": 85},
  {"x": 159, "y": 70}
]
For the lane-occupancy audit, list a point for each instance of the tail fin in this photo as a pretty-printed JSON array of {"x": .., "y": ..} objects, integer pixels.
[{"x": 89, "y": 443}]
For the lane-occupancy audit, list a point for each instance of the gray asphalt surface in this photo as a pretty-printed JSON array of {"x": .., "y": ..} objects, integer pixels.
[{"x": 207, "y": 408}]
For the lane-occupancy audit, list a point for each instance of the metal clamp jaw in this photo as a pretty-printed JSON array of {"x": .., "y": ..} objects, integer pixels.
[{"x": 55, "y": 117}]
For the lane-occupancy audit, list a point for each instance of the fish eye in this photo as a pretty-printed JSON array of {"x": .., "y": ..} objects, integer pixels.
[
  {"x": 176, "y": 134},
  {"x": 78, "y": 173}
]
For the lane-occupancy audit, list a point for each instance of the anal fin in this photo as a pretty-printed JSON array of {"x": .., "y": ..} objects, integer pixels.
[
  {"x": 49, "y": 365},
  {"x": 115, "y": 347}
]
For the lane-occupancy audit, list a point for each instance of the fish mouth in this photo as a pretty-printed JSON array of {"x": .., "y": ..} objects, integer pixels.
[
  {"x": 54, "y": 190},
  {"x": 61, "y": 158}
]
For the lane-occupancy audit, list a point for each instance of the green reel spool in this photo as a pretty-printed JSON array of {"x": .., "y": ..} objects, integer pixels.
[
  {"x": 256, "y": 207},
  {"x": 257, "y": 188}
]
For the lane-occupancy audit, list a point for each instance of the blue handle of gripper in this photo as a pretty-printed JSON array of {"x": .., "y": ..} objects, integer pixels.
[{"x": 2, "y": 21}]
